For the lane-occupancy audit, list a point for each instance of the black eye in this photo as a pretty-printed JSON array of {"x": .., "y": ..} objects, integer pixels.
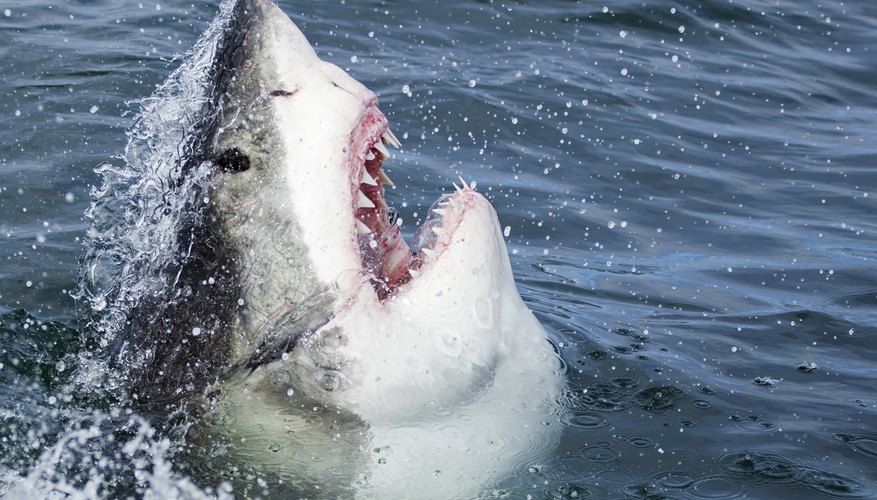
[{"x": 232, "y": 160}]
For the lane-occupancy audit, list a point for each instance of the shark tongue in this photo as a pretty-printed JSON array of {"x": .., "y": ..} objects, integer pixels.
[{"x": 386, "y": 258}]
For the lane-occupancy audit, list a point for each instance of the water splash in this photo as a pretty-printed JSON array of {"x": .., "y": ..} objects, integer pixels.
[
  {"x": 87, "y": 444},
  {"x": 141, "y": 208}
]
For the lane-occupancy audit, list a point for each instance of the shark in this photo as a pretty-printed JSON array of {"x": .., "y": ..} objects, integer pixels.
[{"x": 313, "y": 347}]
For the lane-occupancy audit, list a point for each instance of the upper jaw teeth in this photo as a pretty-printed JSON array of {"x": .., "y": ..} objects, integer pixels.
[
  {"x": 390, "y": 138},
  {"x": 368, "y": 180},
  {"x": 361, "y": 228},
  {"x": 382, "y": 149},
  {"x": 383, "y": 177},
  {"x": 362, "y": 201}
]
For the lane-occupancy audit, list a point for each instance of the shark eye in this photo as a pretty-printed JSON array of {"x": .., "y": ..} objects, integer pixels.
[{"x": 232, "y": 160}]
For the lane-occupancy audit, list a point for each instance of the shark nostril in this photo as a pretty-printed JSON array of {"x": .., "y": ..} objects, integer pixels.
[{"x": 232, "y": 160}]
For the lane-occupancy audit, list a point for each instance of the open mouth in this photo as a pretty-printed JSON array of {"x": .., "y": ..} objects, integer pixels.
[{"x": 387, "y": 260}]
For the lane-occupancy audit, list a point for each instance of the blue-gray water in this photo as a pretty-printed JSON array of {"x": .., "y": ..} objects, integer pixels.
[{"x": 691, "y": 191}]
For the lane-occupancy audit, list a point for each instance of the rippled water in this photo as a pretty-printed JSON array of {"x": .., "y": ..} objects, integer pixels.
[{"x": 690, "y": 192}]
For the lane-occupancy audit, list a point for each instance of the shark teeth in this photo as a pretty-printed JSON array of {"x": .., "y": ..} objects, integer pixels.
[
  {"x": 362, "y": 201},
  {"x": 383, "y": 177},
  {"x": 368, "y": 179},
  {"x": 379, "y": 146},
  {"x": 369, "y": 156},
  {"x": 362, "y": 228},
  {"x": 466, "y": 186},
  {"x": 390, "y": 138}
]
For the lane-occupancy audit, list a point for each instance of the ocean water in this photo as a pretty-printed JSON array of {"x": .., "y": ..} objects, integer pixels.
[{"x": 689, "y": 190}]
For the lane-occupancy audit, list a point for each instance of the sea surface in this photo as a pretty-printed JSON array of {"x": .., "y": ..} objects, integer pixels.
[{"x": 689, "y": 190}]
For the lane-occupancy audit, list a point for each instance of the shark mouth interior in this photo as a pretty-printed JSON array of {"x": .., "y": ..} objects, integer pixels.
[{"x": 387, "y": 260}]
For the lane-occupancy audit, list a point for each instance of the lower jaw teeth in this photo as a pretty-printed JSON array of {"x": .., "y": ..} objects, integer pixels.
[
  {"x": 426, "y": 236},
  {"x": 361, "y": 228}
]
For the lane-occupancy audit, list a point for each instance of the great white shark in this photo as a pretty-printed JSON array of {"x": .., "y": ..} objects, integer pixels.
[{"x": 315, "y": 347}]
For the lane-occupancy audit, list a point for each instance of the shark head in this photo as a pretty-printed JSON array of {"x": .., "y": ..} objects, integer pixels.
[{"x": 299, "y": 189}]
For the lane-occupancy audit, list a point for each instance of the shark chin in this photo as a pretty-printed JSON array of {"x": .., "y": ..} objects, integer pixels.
[{"x": 312, "y": 347}]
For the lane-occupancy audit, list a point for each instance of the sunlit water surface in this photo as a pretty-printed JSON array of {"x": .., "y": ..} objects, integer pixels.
[{"x": 689, "y": 190}]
